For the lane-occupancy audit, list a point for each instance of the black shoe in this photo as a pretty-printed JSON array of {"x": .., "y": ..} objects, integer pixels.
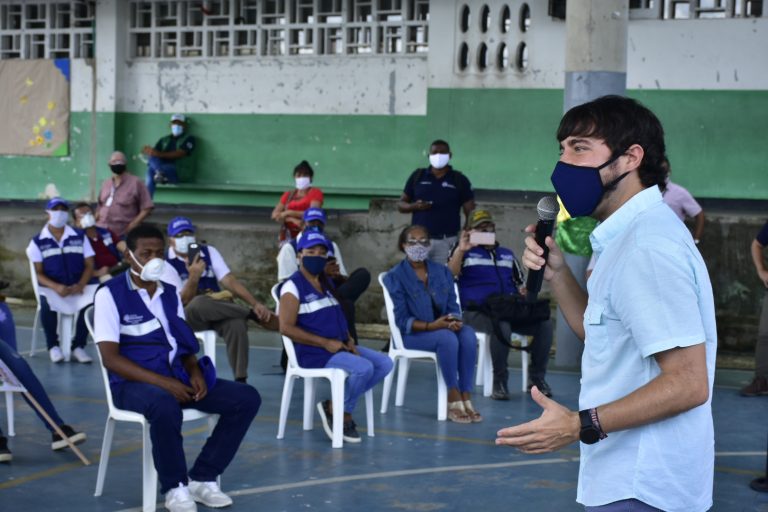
[
  {"x": 241, "y": 379},
  {"x": 540, "y": 383},
  {"x": 59, "y": 443},
  {"x": 500, "y": 391},
  {"x": 160, "y": 178},
  {"x": 5, "y": 453},
  {"x": 351, "y": 435},
  {"x": 759, "y": 484}
]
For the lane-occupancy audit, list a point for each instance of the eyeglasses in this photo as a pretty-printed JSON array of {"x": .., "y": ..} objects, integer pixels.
[{"x": 423, "y": 241}]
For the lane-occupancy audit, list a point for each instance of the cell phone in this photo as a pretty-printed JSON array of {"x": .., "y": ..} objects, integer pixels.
[
  {"x": 453, "y": 317},
  {"x": 192, "y": 251},
  {"x": 482, "y": 238}
]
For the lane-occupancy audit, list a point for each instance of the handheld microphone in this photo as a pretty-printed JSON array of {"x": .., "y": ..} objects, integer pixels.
[{"x": 548, "y": 208}]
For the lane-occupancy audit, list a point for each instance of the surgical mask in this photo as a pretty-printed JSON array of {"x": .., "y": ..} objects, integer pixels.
[
  {"x": 182, "y": 244},
  {"x": 152, "y": 271},
  {"x": 177, "y": 129},
  {"x": 58, "y": 218},
  {"x": 439, "y": 160},
  {"x": 303, "y": 182},
  {"x": 417, "y": 252},
  {"x": 580, "y": 188},
  {"x": 314, "y": 264},
  {"x": 117, "y": 168},
  {"x": 87, "y": 221}
]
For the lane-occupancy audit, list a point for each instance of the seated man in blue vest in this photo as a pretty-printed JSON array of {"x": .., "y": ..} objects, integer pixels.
[
  {"x": 149, "y": 351},
  {"x": 311, "y": 316},
  {"x": 483, "y": 270},
  {"x": 63, "y": 260},
  {"x": 205, "y": 309}
]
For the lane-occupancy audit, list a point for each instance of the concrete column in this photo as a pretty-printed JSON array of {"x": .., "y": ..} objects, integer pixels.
[
  {"x": 595, "y": 49},
  {"x": 109, "y": 56}
]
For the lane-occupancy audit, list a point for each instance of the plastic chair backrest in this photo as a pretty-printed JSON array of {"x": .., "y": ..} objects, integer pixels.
[
  {"x": 104, "y": 374},
  {"x": 35, "y": 284},
  {"x": 397, "y": 336},
  {"x": 290, "y": 351},
  {"x": 458, "y": 300}
]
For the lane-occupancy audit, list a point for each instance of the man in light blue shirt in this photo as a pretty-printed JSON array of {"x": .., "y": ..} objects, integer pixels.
[{"x": 648, "y": 323}]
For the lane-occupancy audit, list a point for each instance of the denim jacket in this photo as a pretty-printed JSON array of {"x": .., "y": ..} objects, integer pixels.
[{"x": 412, "y": 299}]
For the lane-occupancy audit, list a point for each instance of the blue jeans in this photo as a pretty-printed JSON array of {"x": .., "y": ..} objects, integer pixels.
[
  {"x": 630, "y": 505},
  {"x": 21, "y": 369},
  {"x": 168, "y": 169},
  {"x": 235, "y": 403},
  {"x": 365, "y": 371},
  {"x": 456, "y": 354},
  {"x": 50, "y": 321}
]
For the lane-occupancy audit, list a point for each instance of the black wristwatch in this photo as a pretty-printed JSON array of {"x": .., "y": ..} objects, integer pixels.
[{"x": 590, "y": 432}]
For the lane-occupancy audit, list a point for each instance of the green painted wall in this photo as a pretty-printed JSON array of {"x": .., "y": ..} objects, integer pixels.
[{"x": 503, "y": 139}]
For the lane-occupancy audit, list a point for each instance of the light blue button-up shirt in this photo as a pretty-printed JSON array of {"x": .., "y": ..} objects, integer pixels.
[{"x": 649, "y": 292}]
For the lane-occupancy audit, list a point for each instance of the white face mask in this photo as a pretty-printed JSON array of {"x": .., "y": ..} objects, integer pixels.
[
  {"x": 57, "y": 218},
  {"x": 152, "y": 271},
  {"x": 303, "y": 182},
  {"x": 87, "y": 221},
  {"x": 439, "y": 160},
  {"x": 177, "y": 129},
  {"x": 181, "y": 245}
]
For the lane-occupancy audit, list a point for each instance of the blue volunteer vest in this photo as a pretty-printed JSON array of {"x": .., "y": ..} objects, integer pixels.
[
  {"x": 64, "y": 264},
  {"x": 319, "y": 314},
  {"x": 142, "y": 338},
  {"x": 482, "y": 274},
  {"x": 207, "y": 281}
]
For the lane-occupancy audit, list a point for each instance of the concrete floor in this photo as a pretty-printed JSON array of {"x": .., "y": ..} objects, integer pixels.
[{"x": 414, "y": 463}]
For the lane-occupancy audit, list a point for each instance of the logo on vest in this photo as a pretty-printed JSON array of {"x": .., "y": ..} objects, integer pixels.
[
  {"x": 133, "y": 319},
  {"x": 448, "y": 185},
  {"x": 311, "y": 297}
]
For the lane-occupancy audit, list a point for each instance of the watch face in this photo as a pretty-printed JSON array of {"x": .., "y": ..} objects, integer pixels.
[{"x": 589, "y": 435}]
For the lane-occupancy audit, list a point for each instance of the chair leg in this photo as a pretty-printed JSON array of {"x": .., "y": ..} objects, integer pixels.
[
  {"x": 337, "y": 396},
  {"x": 148, "y": 473},
  {"x": 442, "y": 395},
  {"x": 524, "y": 358},
  {"x": 482, "y": 343},
  {"x": 369, "y": 412},
  {"x": 309, "y": 403},
  {"x": 387, "y": 387},
  {"x": 488, "y": 370},
  {"x": 285, "y": 403},
  {"x": 106, "y": 446},
  {"x": 34, "y": 333},
  {"x": 402, "y": 380},
  {"x": 66, "y": 324},
  {"x": 9, "y": 413}
]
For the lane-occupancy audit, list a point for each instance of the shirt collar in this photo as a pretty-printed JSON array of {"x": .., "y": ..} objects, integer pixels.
[
  {"x": 614, "y": 225},
  {"x": 132, "y": 286},
  {"x": 68, "y": 231}
]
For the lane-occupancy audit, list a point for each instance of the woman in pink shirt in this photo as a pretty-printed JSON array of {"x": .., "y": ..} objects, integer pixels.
[{"x": 290, "y": 209}]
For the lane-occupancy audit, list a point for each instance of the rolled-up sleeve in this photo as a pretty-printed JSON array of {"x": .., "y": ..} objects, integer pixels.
[{"x": 106, "y": 319}]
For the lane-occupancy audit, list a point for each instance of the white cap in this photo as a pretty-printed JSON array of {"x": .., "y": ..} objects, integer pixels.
[{"x": 178, "y": 117}]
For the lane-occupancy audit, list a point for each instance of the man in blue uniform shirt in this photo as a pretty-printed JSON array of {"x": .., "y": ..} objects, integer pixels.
[
  {"x": 484, "y": 270},
  {"x": 436, "y": 196},
  {"x": 149, "y": 351}
]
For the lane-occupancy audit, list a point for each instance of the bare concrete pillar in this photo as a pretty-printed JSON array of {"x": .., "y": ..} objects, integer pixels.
[{"x": 596, "y": 49}]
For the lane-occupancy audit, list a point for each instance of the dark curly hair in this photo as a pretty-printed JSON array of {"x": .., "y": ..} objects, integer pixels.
[
  {"x": 304, "y": 168},
  {"x": 407, "y": 231},
  {"x": 621, "y": 122}
]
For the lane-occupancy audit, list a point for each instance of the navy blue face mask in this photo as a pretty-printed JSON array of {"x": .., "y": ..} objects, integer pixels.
[
  {"x": 581, "y": 188},
  {"x": 314, "y": 264}
]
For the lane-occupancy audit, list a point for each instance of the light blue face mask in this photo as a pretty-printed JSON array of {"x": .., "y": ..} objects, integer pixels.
[{"x": 177, "y": 129}]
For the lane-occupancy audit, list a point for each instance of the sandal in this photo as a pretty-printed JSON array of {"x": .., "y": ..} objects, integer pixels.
[
  {"x": 471, "y": 412},
  {"x": 457, "y": 413}
]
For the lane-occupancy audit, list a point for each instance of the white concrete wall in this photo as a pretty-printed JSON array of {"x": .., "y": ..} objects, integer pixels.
[{"x": 81, "y": 85}]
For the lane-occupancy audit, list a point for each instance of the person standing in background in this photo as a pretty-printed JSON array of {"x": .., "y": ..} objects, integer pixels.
[
  {"x": 759, "y": 384},
  {"x": 124, "y": 201},
  {"x": 684, "y": 205}
]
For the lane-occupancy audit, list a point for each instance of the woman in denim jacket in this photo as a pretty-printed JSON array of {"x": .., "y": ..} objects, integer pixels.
[{"x": 428, "y": 316}]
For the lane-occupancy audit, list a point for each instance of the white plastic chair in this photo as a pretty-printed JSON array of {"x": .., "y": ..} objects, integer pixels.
[
  {"x": 208, "y": 339},
  {"x": 484, "y": 354},
  {"x": 398, "y": 353},
  {"x": 149, "y": 473},
  {"x": 9, "y": 389},
  {"x": 335, "y": 376},
  {"x": 66, "y": 322}
]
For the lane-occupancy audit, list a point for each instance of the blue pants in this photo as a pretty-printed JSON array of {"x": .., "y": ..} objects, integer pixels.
[
  {"x": 50, "y": 320},
  {"x": 630, "y": 505},
  {"x": 168, "y": 169},
  {"x": 456, "y": 354},
  {"x": 21, "y": 369},
  {"x": 235, "y": 403},
  {"x": 365, "y": 371}
]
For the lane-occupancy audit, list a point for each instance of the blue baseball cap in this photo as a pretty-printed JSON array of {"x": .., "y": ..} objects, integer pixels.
[
  {"x": 56, "y": 201},
  {"x": 312, "y": 239},
  {"x": 315, "y": 214},
  {"x": 179, "y": 224}
]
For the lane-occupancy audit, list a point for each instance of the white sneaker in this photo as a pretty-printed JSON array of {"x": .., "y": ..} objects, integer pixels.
[
  {"x": 81, "y": 356},
  {"x": 56, "y": 354},
  {"x": 209, "y": 494},
  {"x": 179, "y": 500}
]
